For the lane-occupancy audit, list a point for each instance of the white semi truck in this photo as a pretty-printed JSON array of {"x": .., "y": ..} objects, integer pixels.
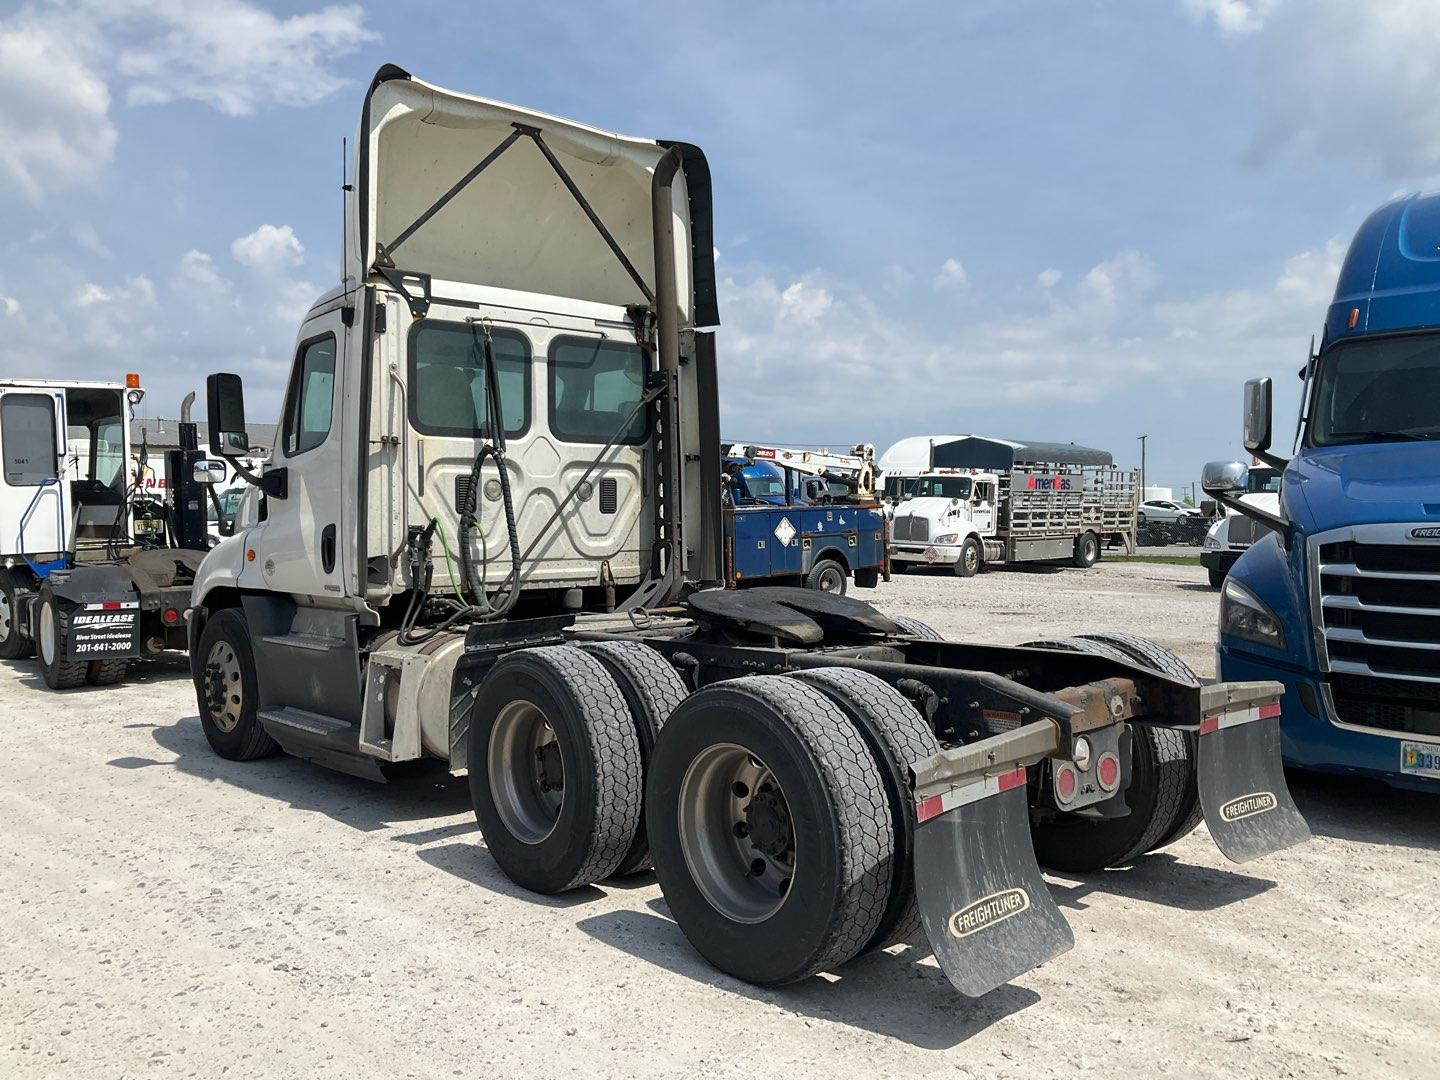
[
  {"x": 973, "y": 502},
  {"x": 1233, "y": 533},
  {"x": 501, "y": 426}
]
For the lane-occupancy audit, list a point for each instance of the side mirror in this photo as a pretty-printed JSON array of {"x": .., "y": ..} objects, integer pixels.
[
  {"x": 225, "y": 404},
  {"x": 209, "y": 471},
  {"x": 1258, "y": 412},
  {"x": 1224, "y": 477}
]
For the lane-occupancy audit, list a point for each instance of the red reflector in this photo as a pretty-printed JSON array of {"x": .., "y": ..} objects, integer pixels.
[
  {"x": 1209, "y": 724},
  {"x": 1268, "y": 711},
  {"x": 1065, "y": 783},
  {"x": 171, "y": 615},
  {"x": 1108, "y": 770},
  {"x": 929, "y": 807},
  {"x": 110, "y": 605},
  {"x": 1014, "y": 778}
]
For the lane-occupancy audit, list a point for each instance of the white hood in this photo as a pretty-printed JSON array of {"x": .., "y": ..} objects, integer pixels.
[{"x": 514, "y": 226}]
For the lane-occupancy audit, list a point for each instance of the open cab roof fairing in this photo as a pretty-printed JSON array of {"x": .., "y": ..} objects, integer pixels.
[{"x": 514, "y": 224}]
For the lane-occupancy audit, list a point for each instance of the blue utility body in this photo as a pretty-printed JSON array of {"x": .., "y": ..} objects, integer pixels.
[
  {"x": 773, "y": 532},
  {"x": 1357, "y": 590}
]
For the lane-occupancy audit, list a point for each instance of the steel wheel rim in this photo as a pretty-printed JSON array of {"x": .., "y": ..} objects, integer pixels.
[
  {"x": 6, "y": 622},
  {"x": 526, "y": 772},
  {"x": 224, "y": 689},
  {"x": 830, "y": 580},
  {"x": 972, "y": 557},
  {"x": 743, "y": 880},
  {"x": 47, "y": 633}
]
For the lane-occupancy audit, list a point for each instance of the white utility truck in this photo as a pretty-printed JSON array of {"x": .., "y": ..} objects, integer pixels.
[
  {"x": 982, "y": 501},
  {"x": 501, "y": 426},
  {"x": 93, "y": 573}
]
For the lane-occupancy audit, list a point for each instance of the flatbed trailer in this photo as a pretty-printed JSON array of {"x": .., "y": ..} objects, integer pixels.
[{"x": 810, "y": 779}]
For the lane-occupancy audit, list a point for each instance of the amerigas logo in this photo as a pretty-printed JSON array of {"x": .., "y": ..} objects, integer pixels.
[{"x": 986, "y": 912}]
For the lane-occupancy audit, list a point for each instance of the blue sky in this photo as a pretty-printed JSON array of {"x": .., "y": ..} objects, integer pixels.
[{"x": 1086, "y": 220}]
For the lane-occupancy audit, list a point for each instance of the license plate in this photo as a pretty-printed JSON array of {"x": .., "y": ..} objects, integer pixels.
[
  {"x": 1420, "y": 759},
  {"x": 931, "y": 555}
]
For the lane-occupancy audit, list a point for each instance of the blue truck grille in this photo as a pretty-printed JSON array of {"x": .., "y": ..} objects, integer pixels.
[{"x": 1378, "y": 613}]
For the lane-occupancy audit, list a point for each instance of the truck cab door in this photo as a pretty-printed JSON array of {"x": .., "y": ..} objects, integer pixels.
[
  {"x": 34, "y": 492},
  {"x": 298, "y": 546},
  {"x": 982, "y": 508}
]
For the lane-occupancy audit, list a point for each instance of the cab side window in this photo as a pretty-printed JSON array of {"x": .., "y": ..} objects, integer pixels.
[{"x": 311, "y": 398}]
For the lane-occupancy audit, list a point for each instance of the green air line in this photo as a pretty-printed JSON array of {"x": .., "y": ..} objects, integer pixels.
[{"x": 449, "y": 566}]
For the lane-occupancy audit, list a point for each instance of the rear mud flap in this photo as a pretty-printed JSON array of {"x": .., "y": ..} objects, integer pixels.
[
  {"x": 1247, "y": 805},
  {"x": 987, "y": 911}
]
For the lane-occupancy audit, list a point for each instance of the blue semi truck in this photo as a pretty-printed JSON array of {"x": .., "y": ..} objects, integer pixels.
[
  {"x": 1341, "y": 602},
  {"x": 787, "y": 523}
]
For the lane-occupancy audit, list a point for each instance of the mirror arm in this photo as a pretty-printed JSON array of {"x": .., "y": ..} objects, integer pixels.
[
  {"x": 1274, "y": 521},
  {"x": 1273, "y": 460},
  {"x": 273, "y": 482}
]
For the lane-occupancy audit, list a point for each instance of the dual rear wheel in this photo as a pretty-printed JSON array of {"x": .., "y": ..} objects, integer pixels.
[{"x": 776, "y": 808}]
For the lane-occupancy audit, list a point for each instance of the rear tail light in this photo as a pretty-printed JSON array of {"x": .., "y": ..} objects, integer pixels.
[{"x": 1067, "y": 782}]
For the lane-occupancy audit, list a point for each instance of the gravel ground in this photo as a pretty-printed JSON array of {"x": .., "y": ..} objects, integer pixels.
[{"x": 172, "y": 914}]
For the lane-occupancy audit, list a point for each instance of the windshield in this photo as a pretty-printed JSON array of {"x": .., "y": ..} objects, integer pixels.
[
  {"x": 763, "y": 480},
  {"x": 944, "y": 487},
  {"x": 1382, "y": 390},
  {"x": 1262, "y": 481}
]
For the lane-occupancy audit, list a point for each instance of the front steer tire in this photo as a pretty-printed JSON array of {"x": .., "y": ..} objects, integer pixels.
[
  {"x": 968, "y": 564},
  {"x": 555, "y": 769},
  {"x": 53, "y": 624},
  {"x": 722, "y": 848},
  {"x": 227, "y": 690}
]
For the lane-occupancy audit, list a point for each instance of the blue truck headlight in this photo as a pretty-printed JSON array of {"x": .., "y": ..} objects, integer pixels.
[
  {"x": 946, "y": 538},
  {"x": 1244, "y": 615}
]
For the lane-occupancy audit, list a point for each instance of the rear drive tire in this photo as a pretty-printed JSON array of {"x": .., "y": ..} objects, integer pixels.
[
  {"x": 968, "y": 564},
  {"x": 828, "y": 576},
  {"x": 13, "y": 644},
  {"x": 916, "y": 628},
  {"x": 107, "y": 672},
  {"x": 898, "y": 737},
  {"x": 653, "y": 690},
  {"x": 1087, "y": 550},
  {"x": 1154, "y": 655},
  {"x": 227, "y": 690},
  {"x": 53, "y": 627},
  {"x": 555, "y": 769},
  {"x": 770, "y": 829},
  {"x": 1159, "y": 770}
]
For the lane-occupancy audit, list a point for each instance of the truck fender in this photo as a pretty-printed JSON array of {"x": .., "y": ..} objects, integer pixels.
[
  {"x": 89, "y": 584},
  {"x": 220, "y": 569}
]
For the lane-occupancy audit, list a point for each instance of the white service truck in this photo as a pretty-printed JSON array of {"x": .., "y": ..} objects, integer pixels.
[
  {"x": 490, "y": 533},
  {"x": 981, "y": 501}
]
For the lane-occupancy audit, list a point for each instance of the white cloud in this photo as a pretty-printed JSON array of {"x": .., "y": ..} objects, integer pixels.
[
  {"x": 1341, "y": 80},
  {"x": 198, "y": 269},
  {"x": 1231, "y": 16},
  {"x": 951, "y": 274},
  {"x": 11, "y": 306},
  {"x": 89, "y": 240},
  {"x": 232, "y": 54},
  {"x": 1049, "y": 278},
  {"x": 269, "y": 247},
  {"x": 136, "y": 290},
  {"x": 60, "y": 61},
  {"x": 803, "y": 304},
  {"x": 55, "y": 129}
]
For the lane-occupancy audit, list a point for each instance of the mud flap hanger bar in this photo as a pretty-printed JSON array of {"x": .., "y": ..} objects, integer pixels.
[{"x": 384, "y": 255}]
